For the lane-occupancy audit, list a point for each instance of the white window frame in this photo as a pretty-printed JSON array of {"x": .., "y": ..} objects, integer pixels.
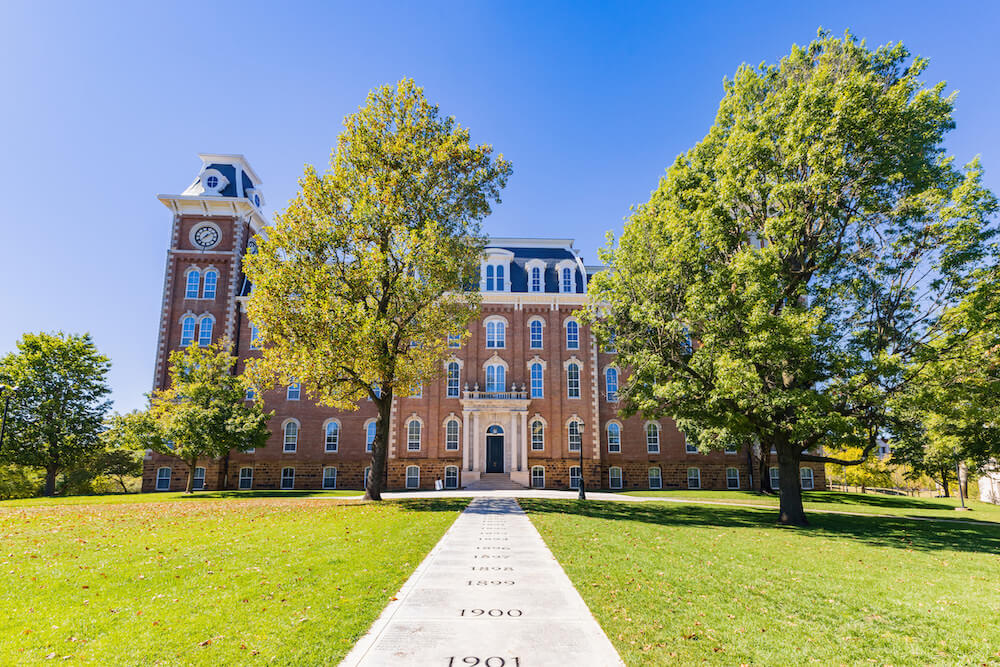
[
  {"x": 371, "y": 427},
  {"x": 294, "y": 442},
  {"x": 574, "y": 438},
  {"x": 451, "y": 444},
  {"x": 572, "y": 327},
  {"x": 689, "y": 448},
  {"x": 659, "y": 478},
  {"x": 532, "y": 330},
  {"x": 614, "y": 447},
  {"x": 496, "y": 332},
  {"x": 203, "y": 322},
  {"x": 611, "y": 387},
  {"x": 573, "y": 385},
  {"x": 160, "y": 478},
  {"x": 575, "y": 477},
  {"x": 696, "y": 478},
  {"x": 192, "y": 279},
  {"x": 454, "y": 341},
  {"x": 364, "y": 477},
  {"x": 652, "y": 431},
  {"x": 416, "y": 478},
  {"x": 197, "y": 478},
  {"x": 289, "y": 478},
  {"x": 254, "y": 337},
  {"x": 189, "y": 329},
  {"x": 293, "y": 392},
  {"x": 413, "y": 444},
  {"x": 731, "y": 478},
  {"x": 731, "y": 450},
  {"x": 536, "y": 384},
  {"x": 453, "y": 381},
  {"x": 326, "y": 436},
  {"x": 611, "y": 477},
  {"x": 536, "y": 472},
  {"x": 246, "y": 481},
  {"x": 494, "y": 381},
  {"x": 529, "y": 267},
  {"x": 207, "y": 293},
  {"x": 537, "y": 444},
  {"x": 774, "y": 475},
  {"x": 451, "y": 473},
  {"x": 811, "y": 477},
  {"x": 566, "y": 287},
  {"x": 326, "y": 477}
]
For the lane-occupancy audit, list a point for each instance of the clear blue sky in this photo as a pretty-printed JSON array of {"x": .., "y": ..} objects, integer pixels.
[{"x": 105, "y": 106}]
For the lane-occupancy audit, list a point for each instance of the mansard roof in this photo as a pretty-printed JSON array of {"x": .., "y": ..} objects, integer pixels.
[{"x": 551, "y": 252}]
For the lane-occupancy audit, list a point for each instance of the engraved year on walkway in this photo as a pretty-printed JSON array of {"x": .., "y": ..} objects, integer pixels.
[{"x": 490, "y": 594}]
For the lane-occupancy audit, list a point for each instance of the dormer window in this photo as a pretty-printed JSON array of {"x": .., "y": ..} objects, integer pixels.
[
  {"x": 566, "y": 272},
  {"x": 496, "y": 270},
  {"x": 536, "y": 275},
  {"x": 567, "y": 280},
  {"x": 212, "y": 182}
]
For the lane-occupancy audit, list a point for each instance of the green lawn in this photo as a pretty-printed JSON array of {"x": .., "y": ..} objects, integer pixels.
[
  {"x": 869, "y": 503},
  {"x": 685, "y": 583},
  {"x": 212, "y": 582},
  {"x": 117, "y": 498}
]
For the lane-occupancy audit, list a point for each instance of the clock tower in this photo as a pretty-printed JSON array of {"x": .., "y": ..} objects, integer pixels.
[{"x": 213, "y": 221}]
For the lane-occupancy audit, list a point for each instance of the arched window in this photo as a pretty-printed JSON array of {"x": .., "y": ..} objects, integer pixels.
[
  {"x": 451, "y": 477},
  {"x": 537, "y": 435},
  {"x": 413, "y": 477},
  {"x": 537, "y": 384},
  {"x": 655, "y": 481},
  {"x": 535, "y": 334},
  {"x": 369, "y": 435},
  {"x": 453, "y": 379},
  {"x": 332, "y": 436},
  {"x": 187, "y": 330},
  {"x": 614, "y": 438},
  {"x": 193, "y": 283},
  {"x": 205, "y": 325},
  {"x": 575, "y": 436},
  {"x": 496, "y": 378},
  {"x": 211, "y": 282},
  {"x": 611, "y": 384},
  {"x": 496, "y": 334},
  {"x": 615, "y": 477},
  {"x": 536, "y": 281},
  {"x": 694, "y": 478},
  {"x": 806, "y": 478},
  {"x": 537, "y": 477},
  {"x": 451, "y": 435},
  {"x": 413, "y": 436},
  {"x": 573, "y": 380},
  {"x": 653, "y": 438},
  {"x": 329, "y": 478},
  {"x": 489, "y": 277},
  {"x": 572, "y": 335},
  {"x": 567, "y": 280},
  {"x": 291, "y": 436},
  {"x": 500, "y": 277},
  {"x": 732, "y": 478}
]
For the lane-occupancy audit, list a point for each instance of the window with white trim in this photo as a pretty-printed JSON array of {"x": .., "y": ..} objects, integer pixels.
[
  {"x": 293, "y": 392},
  {"x": 329, "y": 478},
  {"x": 291, "y": 436},
  {"x": 413, "y": 436},
  {"x": 251, "y": 394},
  {"x": 417, "y": 391},
  {"x": 535, "y": 331},
  {"x": 210, "y": 284},
  {"x": 574, "y": 477},
  {"x": 655, "y": 479},
  {"x": 187, "y": 330},
  {"x": 198, "y": 484},
  {"x": 537, "y": 435},
  {"x": 775, "y": 476},
  {"x": 205, "y": 326},
  {"x": 537, "y": 477},
  {"x": 566, "y": 283},
  {"x": 536, "y": 279},
  {"x": 193, "y": 283},
  {"x": 451, "y": 477},
  {"x": 288, "y": 478},
  {"x": 254, "y": 337},
  {"x": 806, "y": 478},
  {"x": 451, "y": 435},
  {"x": 732, "y": 478},
  {"x": 163, "y": 479},
  {"x": 731, "y": 450},
  {"x": 690, "y": 447},
  {"x": 615, "y": 477},
  {"x": 572, "y": 335},
  {"x": 573, "y": 380},
  {"x": 246, "y": 478},
  {"x": 611, "y": 385},
  {"x": 369, "y": 435},
  {"x": 496, "y": 334},
  {"x": 454, "y": 340},
  {"x": 537, "y": 381},
  {"x": 652, "y": 438},
  {"x": 694, "y": 478},
  {"x": 614, "y": 438},
  {"x": 332, "y": 436},
  {"x": 575, "y": 436},
  {"x": 454, "y": 378},
  {"x": 413, "y": 477},
  {"x": 496, "y": 378}
]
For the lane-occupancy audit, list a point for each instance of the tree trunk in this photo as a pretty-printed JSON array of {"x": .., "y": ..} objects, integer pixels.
[
  {"x": 50, "y": 480},
  {"x": 791, "y": 512},
  {"x": 189, "y": 487},
  {"x": 944, "y": 483},
  {"x": 763, "y": 472},
  {"x": 380, "y": 449}
]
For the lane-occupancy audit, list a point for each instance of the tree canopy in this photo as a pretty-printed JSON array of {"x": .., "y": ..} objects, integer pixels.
[
  {"x": 57, "y": 411},
  {"x": 362, "y": 277},
  {"x": 810, "y": 244}
]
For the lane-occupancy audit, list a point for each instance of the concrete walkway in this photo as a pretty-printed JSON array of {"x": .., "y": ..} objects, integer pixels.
[{"x": 490, "y": 594}]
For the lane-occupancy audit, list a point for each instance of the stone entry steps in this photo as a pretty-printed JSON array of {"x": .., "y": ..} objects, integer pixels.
[{"x": 494, "y": 481}]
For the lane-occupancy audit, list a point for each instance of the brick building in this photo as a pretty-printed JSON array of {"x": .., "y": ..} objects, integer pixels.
[{"x": 516, "y": 402}]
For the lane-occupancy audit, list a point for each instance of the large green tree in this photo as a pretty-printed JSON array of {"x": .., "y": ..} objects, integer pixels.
[
  {"x": 364, "y": 274},
  {"x": 810, "y": 244},
  {"x": 57, "y": 412},
  {"x": 202, "y": 414}
]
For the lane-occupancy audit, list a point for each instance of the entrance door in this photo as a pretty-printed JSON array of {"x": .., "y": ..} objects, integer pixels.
[{"x": 494, "y": 449}]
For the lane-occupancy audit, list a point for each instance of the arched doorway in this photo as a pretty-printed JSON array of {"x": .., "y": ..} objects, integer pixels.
[{"x": 494, "y": 449}]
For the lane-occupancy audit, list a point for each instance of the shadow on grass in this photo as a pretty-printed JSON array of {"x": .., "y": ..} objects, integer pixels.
[
  {"x": 878, "y": 531},
  {"x": 868, "y": 500},
  {"x": 218, "y": 495},
  {"x": 431, "y": 504}
]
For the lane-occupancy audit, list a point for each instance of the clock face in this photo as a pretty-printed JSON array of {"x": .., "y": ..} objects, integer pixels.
[{"x": 206, "y": 236}]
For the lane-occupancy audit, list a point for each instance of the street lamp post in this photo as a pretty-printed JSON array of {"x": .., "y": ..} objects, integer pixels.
[
  {"x": 5, "y": 391},
  {"x": 958, "y": 482},
  {"x": 583, "y": 494}
]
